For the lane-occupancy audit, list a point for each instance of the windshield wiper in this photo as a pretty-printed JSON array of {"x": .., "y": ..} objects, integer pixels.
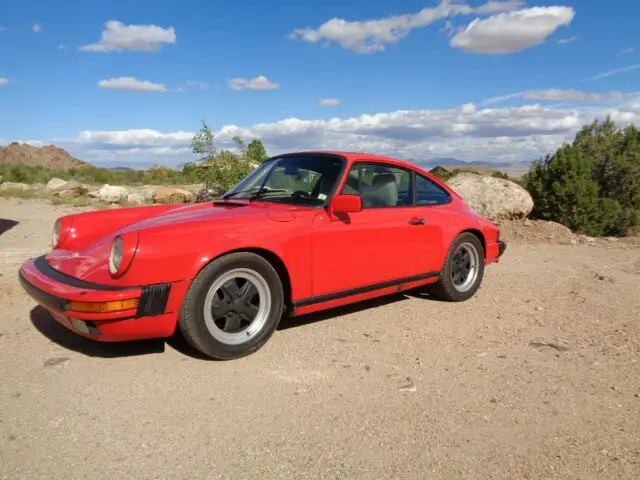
[
  {"x": 258, "y": 193},
  {"x": 263, "y": 190}
]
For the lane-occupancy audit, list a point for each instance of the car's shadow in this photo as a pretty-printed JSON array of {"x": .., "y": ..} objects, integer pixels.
[
  {"x": 6, "y": 225},
  {"x": 50, "y": 328}
]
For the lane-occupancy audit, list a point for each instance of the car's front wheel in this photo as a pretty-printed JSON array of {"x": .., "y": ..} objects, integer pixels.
[
  {"x": 233, "y": 306},
  {"x": 463, "y": 269}
]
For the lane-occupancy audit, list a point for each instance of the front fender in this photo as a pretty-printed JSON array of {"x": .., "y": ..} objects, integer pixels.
[
  {"x": 88, "y": 227},
  {"x": 171, "y": 255}
]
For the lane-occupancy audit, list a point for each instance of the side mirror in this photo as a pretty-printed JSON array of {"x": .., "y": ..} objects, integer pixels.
[{"x": 346, "y": 204}]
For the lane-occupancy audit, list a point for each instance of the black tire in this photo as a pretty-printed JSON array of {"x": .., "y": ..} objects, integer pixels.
[
  {"x": 445, "y": 288},
  {"x": 192, "y": 322}
]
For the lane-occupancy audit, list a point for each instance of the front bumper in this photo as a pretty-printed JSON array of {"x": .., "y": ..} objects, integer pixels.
[{"x": 155, "y": 315}]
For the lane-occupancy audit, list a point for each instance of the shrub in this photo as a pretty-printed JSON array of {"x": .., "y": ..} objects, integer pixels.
[
  {"x": 220, "y": 171},
  {"x": 591, "y": 185}
]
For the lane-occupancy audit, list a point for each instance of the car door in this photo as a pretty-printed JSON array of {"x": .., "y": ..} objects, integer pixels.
[{"x": 384, "y": 242}]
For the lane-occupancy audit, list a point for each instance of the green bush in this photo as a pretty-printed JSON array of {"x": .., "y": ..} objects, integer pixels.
[
  {"x": 502, "y": 175},
  {"x": 445, "y": 175},
  {"x": 220, "y": 171},
  {"x": 591, "y": 185}
]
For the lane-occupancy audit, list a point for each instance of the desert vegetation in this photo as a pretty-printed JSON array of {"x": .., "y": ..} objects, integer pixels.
[{"x": 591, "y": 185}]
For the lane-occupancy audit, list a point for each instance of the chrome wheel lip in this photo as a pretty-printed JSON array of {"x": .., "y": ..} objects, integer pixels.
[
  {"x": 260, "y": 319},
  {"x": 473, "y": 266}
]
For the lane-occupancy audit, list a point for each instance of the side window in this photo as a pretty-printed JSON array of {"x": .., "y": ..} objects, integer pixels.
[
  {"x": 428, "y": 193},
  {"x": 380, "y": 185}
]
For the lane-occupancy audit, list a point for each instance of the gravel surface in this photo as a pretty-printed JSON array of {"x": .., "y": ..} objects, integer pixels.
[{"x": 537, "y": 376}]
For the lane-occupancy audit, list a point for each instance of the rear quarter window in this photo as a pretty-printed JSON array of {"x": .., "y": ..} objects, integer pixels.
[{"x": 429, "y": 193}]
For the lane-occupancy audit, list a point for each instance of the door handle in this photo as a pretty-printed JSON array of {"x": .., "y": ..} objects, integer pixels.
[{"x": 416, "y": 221}]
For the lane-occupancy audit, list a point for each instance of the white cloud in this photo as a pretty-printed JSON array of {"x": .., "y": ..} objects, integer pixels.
[
  {"x": 576, "y": 95},
  {"x": 198, "y": 85},
  {"x": 329, "y": 102},
  {"x": 467, "y": 132},
  {"x": 493, "y": 6},
  {"x": 131, "y": 83},
  {"x": 559, "y": 95},
  {"x": 369, "y": 36},
  {"x": 617, "y": 71},
  {"x": 117, "y": 37},
  {"x": 62, "y": 46},
  {"x": 4, "y": 81},
  {"x": 135, "y": 138},
  {"x": 512, "y": 31},
  {"x": 564, "y": 41},
  {"x": 626, "y": 51},
  {"x": 37, "y": 28},
  {"x": 258, "y": 83}
]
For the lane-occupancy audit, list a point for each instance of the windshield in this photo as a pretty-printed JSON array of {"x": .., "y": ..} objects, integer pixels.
[{"x": 296, "y": 179}]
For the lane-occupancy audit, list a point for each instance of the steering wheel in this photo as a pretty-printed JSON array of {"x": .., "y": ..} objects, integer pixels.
[{"x": 302, "y": 194}]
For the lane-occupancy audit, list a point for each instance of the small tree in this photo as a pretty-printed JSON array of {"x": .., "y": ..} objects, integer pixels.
[
  {"x": 592, "y": 185},
  {"x": 218, "y": 171},
  {"x": 256, "y": 153}
]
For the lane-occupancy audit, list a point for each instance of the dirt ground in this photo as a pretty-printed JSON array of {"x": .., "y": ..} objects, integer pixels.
[{"x": 537, "y": 376}]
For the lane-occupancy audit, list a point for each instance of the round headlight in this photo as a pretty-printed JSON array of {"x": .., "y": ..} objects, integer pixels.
[
  {"x": 55, "y": 235},
  {"x": 115, "y": 258}
]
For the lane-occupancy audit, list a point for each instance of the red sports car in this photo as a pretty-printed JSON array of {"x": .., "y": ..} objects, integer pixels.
[{"x": 303, "y": 232}]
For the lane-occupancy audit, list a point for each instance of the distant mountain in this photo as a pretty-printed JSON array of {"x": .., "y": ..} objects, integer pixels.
[
  {"x": 450, "y": 161},
  {"x": 121, "y": 168},
  {"x": 49, "y": 156},
  {"x": 513, "y": 169}
]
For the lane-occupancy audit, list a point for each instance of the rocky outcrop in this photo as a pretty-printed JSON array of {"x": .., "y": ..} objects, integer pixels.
[
  {"x": 170, "y": 195},
  {"x": 48, "y": 156},
  {"x": 493, "y": 198}
]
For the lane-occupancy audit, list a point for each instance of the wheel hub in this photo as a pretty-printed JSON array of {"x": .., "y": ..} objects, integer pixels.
[{"x": 237, "y": 306}]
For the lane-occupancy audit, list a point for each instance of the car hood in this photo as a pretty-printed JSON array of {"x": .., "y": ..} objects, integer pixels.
[{"x": 90, "y": 262}]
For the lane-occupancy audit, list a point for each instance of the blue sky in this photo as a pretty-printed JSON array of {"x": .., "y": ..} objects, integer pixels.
[{"x": 128, "y": 82}]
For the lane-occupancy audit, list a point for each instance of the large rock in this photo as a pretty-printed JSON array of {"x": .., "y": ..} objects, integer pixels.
[
  {"x": 493, "y": 198},
  {"x": 110, "y": 193},
  {"x": 62, "y": 188},
  {"x": 135, "y": 199},
  {"x": 55, "y": 184},
  {"x": 170, "y": 195},
  {"x": 145, "y": 191}
]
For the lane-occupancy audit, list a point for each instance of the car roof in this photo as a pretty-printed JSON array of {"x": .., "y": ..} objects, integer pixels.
[{"x": 353, "y": 156}]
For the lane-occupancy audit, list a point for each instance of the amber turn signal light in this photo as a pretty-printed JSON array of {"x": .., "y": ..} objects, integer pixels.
[{"x": 103, "y": 307}]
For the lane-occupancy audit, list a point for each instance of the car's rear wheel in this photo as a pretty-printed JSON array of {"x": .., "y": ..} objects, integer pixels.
[
  {"x": 233, "y": 306},
  {"x": 463, "y": 269}
]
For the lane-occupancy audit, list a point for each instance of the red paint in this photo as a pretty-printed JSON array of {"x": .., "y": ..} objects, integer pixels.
[{"x": 323, "y": 250}]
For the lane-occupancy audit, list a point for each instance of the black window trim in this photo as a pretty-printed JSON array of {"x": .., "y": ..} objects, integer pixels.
[
  {"x": 327, "y": 201},
  {"x": 414, "y": 182}
]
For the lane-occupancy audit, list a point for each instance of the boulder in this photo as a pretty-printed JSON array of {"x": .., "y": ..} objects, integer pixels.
[
  {"x": 493, "y": 198},
  {"x": 145, "y": 191},
  {"x": 110, "y": 193},
  {"x": 170, "y": 195},
  {"x": 62, "y": 188},
  {"x": 56, "y": 184},
  {"x": 136, "y": 199}
]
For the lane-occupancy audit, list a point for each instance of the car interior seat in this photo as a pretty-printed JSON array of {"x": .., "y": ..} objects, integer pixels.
[{"x": 383, "y": 191}]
